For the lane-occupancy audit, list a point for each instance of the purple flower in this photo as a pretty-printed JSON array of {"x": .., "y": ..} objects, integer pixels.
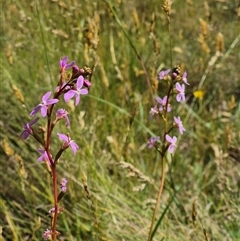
[
  {"x": 27, "y": 129},
  {"x": 152, "y": 141},
  {"x": 79, "y": 91},
  {"x": 68, "y": 142},
  {"x": 178, "y": 122},
  {"x": 163, "y": 73},
  {"x": 153, "y": 111},
  {"x": 44, "y": 156},
  {"x": 172, "y": 142},
  {"x": 64, "y": 65},
  {"x": 62, "y": 114},
  {"x": 184, "y": 78},
  {"x": 163, "y": 103},
  {"x": 181, "y": 92},
  {"x": 44, "y": 105},
  {"x": 64, "y": 185},
  {"x": 47, "y": 234}
]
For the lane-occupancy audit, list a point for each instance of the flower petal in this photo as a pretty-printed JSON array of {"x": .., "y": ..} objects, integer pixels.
[
  {"x": 63, "y": 137},
  {"x": 69, "y": 95},
  {"x": 77, "y": 100},
  {"x": 168, "y": 138},
  {"x": 80, "y": 81},
  {"x": 35, "y": 110},
  {"x": 46, "y": 96},
  {"x": 51, "y": 101},
  {"x": 74, "y": 147},
  {"x": 44, "y": 111}
]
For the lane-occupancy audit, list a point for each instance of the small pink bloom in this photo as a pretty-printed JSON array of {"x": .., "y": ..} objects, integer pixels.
[
  {"x": 64, "y": 185},
  {"x": 153, "y": 111},
  {"x": 172, "y": 142},
  {"x": 184, "y": 78},
  {"x": 79, "y": 91},
  {"x": 152, "y": 141},
  {"x": 163, "y": 73},
  {"x": 178, "y": 122},
  {"x": 52, "y": 211},
  {"x": 62, "y": 114},
  {"x": 68, "y": 142},
  {"x": 180, "y": 92},
  {"x": 47, "y": 234},
  {"x": 163, "y": 103}
]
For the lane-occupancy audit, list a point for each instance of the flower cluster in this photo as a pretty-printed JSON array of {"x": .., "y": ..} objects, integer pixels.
[
  {"x": 70, "y": 85},
  {"x": 163, "y": 106}
]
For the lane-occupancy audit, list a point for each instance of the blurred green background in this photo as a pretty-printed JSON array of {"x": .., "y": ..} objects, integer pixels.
[{"x": 122, "y": 173}]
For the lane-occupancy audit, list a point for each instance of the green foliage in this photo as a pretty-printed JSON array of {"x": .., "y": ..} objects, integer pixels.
[{"x": 122, "y": 174}]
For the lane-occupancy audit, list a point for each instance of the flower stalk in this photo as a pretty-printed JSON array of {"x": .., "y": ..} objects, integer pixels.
[
  {"x": 168, "y": 143},
  {"x": 69, "y": 87}
]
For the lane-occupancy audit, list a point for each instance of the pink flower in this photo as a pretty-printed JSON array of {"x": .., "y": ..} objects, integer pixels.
[
  {"x": 44, "y": 156},
  {"x": 47, "y": 234},
  {"x": 52, "y": 211},
  {"x": 152, "y": 141},
  {"x": 178, "y": 122},
  {"x": 64, "y": 65},
  {"x": 68, "y": 142},
  {"x": 64, "y": 185},
  {"x": 163, "y": 73},
  {"x": 27, "y": 129},
  {"x": 184, "y": 78},
  {"x": 163, "y": 103},
  {"x": 79, "y": 91},
  {"x": 172, "y": 142},
  {"x": 153, "y": 111},
  {"x": 43, "y": 106},
  {"x": 62, "y": 114},
  {"x": 181, "y": 92}
]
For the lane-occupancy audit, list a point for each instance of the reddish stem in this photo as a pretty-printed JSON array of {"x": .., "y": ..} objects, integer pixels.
[
  {"x": 54, "y": 221},
  {"x": 54, "y": 172}
]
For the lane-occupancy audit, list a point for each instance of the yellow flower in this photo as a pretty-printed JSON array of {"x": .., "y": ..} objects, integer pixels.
[{"x": 198, "y": 94}]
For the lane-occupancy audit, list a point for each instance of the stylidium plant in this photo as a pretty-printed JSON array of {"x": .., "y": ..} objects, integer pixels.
[
  {"x": 165, "y": 141},
  {"x": 70, "y": 85}
]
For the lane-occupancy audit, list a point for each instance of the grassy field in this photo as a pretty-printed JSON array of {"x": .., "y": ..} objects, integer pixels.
[{"x": 126, "y": 43}]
